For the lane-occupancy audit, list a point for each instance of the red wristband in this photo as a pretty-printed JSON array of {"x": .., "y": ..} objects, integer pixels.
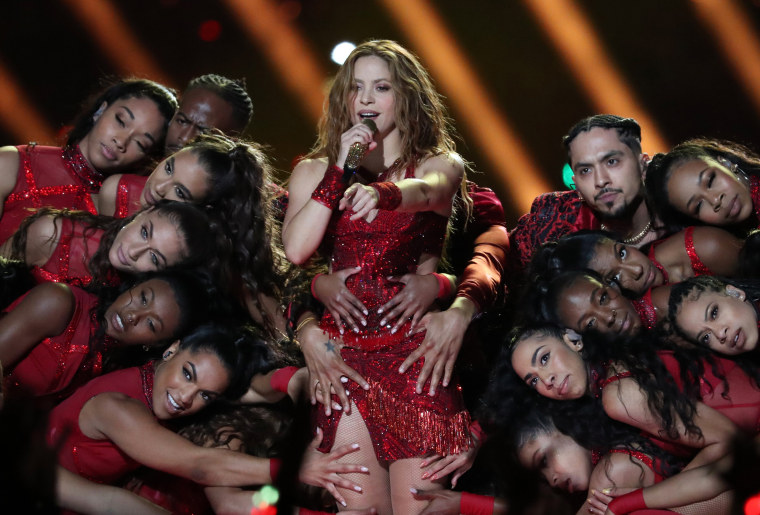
[
  {"x": 330, "y": 189},
  {"x": 472, "y": 504},
  {"x": 444, "y": 286},
  {"x": 313, "y": 293},
  {"x": 477, "y": 432},
  {"x": 388, "y": 195},
  {"x": 627, "y": 503},
  {"x": 281, "y": 377},
  {"x": 274, "y": 468}
]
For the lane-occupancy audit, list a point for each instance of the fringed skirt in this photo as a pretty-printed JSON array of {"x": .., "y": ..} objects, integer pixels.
[{"x": 401, "y": 422}]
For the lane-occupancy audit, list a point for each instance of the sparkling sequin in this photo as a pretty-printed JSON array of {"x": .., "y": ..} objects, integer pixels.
[
  {"x": 402, "y": 423},
  {"x": 697, "y": 266},
  {"x": 69, "y": 262},
  {"x": 645, "y": 309},
  {"x": 128, "y": 193}
]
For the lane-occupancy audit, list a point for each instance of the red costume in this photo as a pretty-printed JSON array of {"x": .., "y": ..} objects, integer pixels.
[
  {"x": 49, "y": 176},
  {"x": 552, "y": 215},
  {"x": 486, "y": 233},
  {"x": 68, "y": 263},
  {"x": 128, "y": 195},
  {"x": 97, "y": 460},
  {"x": 401, "y": 423},
  {"x": 644, "y": 306},
  {"x": 60, "y": 364}
]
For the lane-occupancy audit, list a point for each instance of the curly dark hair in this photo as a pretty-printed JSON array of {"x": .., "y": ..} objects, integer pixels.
[
  {"x": 661, "y": 168},
  {"x": 232, "y": 91},
  {"x": 193, "y": 223},
  {"x": 164, "y": 98},
  {"x": 242, "y": 194}
]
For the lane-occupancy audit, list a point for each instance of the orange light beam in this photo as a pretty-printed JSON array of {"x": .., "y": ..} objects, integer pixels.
[
  {"x": 18, "y": 114},
  {"x": 286, "y": 50},
  {"x": 576, "y": 40},
  {"x": 731, "y": 28},
  {"x": 107, "y": 27},
  {"x": 424, "y": 28}
]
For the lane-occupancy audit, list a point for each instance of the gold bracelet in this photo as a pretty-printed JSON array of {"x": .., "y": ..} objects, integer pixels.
[{"x": 303, "y": 323}]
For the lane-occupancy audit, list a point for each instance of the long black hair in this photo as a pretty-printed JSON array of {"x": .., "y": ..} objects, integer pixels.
[
  {"x": 164, "y": 98},
  {"x": 738, "y": 158}
]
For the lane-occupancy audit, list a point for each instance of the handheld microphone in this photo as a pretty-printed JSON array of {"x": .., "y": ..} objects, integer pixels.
[{"x": 356, "y": 153}]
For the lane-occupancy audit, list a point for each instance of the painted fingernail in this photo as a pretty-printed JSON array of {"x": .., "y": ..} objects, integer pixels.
[
  {"x": 366, "y": 312},
  {"x": 435, "y": 476},
  {"x": 358, "y": 488},
  {"x": 348, "y": 393},
  {"x": 400, "y": 370},
  {"x": 365, "y": 469},
  {"x": 354, "y": 445},
  {"x": 343, "y": 503},
  {"x": 414, "y": 490},
  {"x": 425, "y": 475},
  {"x": 343, "y": 379},
  {"x": 606, "y": 491},
  {"x": 356, "y": 329},
  {"x": 592, "y": 492},
  {"x": 364, "y": 322},
  {"x": 379, "y": 312},
  {"x": 393, "y": 331}
]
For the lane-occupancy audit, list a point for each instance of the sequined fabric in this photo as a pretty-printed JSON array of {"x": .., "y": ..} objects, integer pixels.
[
  {"x": 69, "y": 261},
  {"x": 697, "y": 266},
  {"x": 59, "y": 364},
  {"x": 656, "y": 263},
  {"x": 402, "y": 424},
  {"x": 128, "y": 193},
  {"x": 48, "y": 176},
  {"x": 754, "y": 191},
  {"x": 330, "y": 189},
  {"x": 645, "y": 309},
  {"x": 97, "y": 460}
]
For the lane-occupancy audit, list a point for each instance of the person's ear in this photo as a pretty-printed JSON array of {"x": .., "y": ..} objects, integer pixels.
[
  {"x": 99, "y": 112},
  {"x": 573, "y": 340},
  {"x": 171, "y": 350},
  {"x": 733, "y": 291},
  {"x": 644, "y": 160}
]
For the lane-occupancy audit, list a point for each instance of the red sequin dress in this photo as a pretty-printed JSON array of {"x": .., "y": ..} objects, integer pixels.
[
  {"x": 128, "y": 194},
  {"x": 49, "y": 176},
  {"x": 644, "y": 306},
  {"x": 58, "y": 365},
  {"x": 97, "y": 460},
  {"x": 69, "y": 261},
  {"x": 401, "y": 423}
]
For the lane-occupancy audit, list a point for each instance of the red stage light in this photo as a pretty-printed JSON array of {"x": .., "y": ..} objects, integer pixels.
[{"x": 209, "y": 30}]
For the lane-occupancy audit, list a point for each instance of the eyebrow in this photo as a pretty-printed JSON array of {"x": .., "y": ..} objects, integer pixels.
[
  {"x": 593, "y": 294},
  {"x": 150, "y": 235},
  {"x": 699, "y": 181},
  {"x": 533, "y": 362},
  {"x": 194, "y": 372},
  {"x": 608, "y": 155},
  {"x": 132, "y": 116}
]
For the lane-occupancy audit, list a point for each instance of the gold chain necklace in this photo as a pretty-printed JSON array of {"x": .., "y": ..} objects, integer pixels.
[{"x": 633, "y": 240}]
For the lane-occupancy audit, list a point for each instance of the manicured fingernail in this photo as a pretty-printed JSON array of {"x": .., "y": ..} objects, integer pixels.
[
  {"x": 348, "y": 393},
  {"x": 365, "y": 386},
  {"x": 343, "y": 379},
  {"x": 400, "y": 370},
  {"x": 365, "y": 312},
  {"x": 356, "y": 329},
  {"x": 606, "y": 491},
  {"x": 435, "y": 476},
  {"x": 379, "y": 312},
  {"x": 413, "y": 490},
  {"x": 393, "y": 331},
  {"x": 425, "y": 475},
  {"x": 354, "y": 445},
  {"x": 341, "y": 330},
  {"x": 592, "y": 492},
  {"x": 343, "y": 503},
  {"x": 358, "y": 488},
  {"x": 364, "y": 322},
  {"x": 365, "y": 469}
]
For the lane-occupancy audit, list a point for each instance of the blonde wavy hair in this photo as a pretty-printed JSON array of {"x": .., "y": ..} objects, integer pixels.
[{"x": 420, "y": 114}]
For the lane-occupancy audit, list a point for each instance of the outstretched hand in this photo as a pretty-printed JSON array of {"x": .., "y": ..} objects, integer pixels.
[
  {"x": 320, "y": 469},
  {"x": 362, "y": 200}
]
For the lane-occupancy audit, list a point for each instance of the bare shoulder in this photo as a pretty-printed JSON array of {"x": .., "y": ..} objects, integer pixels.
[
  {"x": 42, "y": 236},
  {"x": 54, "y": 302},
  {"x": 9, "y": 163},
  {"x": 448, "y": 163},
  {"x": 107, "y": 195},
  {"x": 107, "y": 412},
  {"x": 619, "y": 469},
  {"x": 309, "y": 170}
]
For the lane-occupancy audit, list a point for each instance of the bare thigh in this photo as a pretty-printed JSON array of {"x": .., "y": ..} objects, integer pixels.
[{"x": 406, "y": 474}]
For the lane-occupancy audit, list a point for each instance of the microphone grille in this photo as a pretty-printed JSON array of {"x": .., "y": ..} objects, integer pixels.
[{"x": 370, "y": 123}]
